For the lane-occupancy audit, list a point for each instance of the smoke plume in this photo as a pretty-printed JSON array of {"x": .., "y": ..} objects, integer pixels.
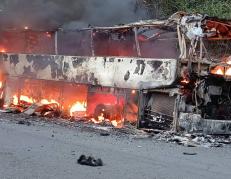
[{"x": 44, "y": 14}]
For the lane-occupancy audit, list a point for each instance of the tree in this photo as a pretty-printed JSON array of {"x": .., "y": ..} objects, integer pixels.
[{"x": 164, "y": 8}]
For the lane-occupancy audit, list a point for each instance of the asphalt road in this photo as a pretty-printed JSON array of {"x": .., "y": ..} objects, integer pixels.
[{"x": 51, "y": 151}]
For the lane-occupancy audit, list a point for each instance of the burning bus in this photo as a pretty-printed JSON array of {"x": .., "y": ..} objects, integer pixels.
[{"x": 168, "y": 74}]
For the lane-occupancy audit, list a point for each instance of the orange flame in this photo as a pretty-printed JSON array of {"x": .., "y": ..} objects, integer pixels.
[
  {"x": 228, "y": 72},
  {"x": 52, "y": 101},
  {"x": 114, "y": 123},
  {"x": 2, "y": 50},
  {"x": 48, "y": 34},
  {"x": 133, "y": 92},
  {"x": 15, "y": 100},
  {"x": 218, "y": 70},
  {"x": 78, "y": 107},
  {"x": 22, "y": 98},
  {"x": 185, "y": 81},
  {"x": 101, "y": 119}
]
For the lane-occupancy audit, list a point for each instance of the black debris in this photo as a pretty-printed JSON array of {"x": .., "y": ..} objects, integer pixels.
[
  {"x": 193, "y": 140},
  {"x": 24, "y": 123},
  {"x": 90, "y": 161},
  {"x": 104, "y": 134},
  {"x": 188, "y": 153}
]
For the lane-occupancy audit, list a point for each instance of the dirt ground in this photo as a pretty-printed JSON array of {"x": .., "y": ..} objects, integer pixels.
[{"x": 44, "y": 150}]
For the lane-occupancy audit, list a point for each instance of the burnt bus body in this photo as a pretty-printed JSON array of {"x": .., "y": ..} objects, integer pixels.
[
  {"x": 103, "y": 67},
  {"x": 157, "y": 74}
]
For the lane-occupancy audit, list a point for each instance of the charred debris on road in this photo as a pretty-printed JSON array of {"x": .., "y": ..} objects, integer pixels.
[{"x": 170, "y": 76}]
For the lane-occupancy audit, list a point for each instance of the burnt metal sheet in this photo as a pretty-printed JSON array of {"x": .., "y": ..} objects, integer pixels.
[
  {"x": 162, "y": 103},
  {"x": 158, "y": 112},
  {"x": 129, "y": 72},
  {"x": 195, "y": 123}
]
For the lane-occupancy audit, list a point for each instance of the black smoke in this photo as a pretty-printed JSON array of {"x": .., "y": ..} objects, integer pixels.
[{"x": 44, "y": 14}]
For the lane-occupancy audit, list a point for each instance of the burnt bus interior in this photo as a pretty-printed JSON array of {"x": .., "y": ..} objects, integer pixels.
[
  {"x": 200, "y": 97},
  {"x": 114, "y": 41},
  {"x": 206, "y": 93},
  {"x": 210, "y": 92},
  {"x": 90, "y": 103}
]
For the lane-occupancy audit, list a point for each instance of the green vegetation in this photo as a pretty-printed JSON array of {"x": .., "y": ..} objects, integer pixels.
[{"x": 164, "y": 8}]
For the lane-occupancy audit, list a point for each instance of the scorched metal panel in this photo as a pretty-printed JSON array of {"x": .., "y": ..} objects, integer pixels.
[{"x": 121, "y": 72}]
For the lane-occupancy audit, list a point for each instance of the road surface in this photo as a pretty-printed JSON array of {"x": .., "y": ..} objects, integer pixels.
[{"x": 50, "y": 151}]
